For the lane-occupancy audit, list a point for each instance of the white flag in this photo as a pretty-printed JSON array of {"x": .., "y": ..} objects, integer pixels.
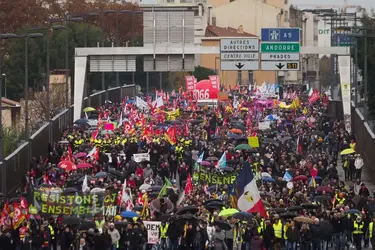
[{"x": 85, "y": 186}]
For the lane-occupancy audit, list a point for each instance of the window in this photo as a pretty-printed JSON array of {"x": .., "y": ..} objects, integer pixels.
[{"x": 286, "y": 16}]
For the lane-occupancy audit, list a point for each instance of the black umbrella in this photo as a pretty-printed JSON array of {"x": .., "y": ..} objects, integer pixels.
[
  {"x": 70, "y": 190},
  {"x": 323, "y": 198},
  {"x": 212, "y": 200},
  {"x": 232, "y": 161},
  {"x": 243, "y": 216},
  {"x": 310, "y": 205},
  {"x": 70, "y": 220},
  {"x": 195, "y": 121},
  {"x": 82, "y": 121},
  {"x": 294, "y": 208},
  {"x": 228, "y": 169},
  {"x": 187, "y": 210},
  {"x": 277, "y": 210},
  {"x": 239, "y": 126},
  {"x": 115, "y": 172},
  {"x": 120, "y": 224},
  {"x": 223, "y": 225},
  {"x": 87, "y": 225}
]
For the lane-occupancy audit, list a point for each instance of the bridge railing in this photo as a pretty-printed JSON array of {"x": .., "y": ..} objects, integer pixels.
[{"x": 14, "y": 167}]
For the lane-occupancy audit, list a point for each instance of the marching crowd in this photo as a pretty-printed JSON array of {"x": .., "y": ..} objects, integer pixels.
[{"x": 299, "y": 201}]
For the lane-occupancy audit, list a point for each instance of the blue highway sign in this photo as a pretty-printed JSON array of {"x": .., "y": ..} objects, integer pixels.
[{"x": 280, "y": 35}]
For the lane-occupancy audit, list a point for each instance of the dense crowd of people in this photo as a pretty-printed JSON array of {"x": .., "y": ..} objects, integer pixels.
[{"x": 180, "y": 164}]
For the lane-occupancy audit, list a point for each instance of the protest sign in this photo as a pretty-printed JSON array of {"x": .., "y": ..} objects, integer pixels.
[
  {"x": 215, "y": 178},
  {"x": 141, "y": 157},
  {"x": 152, "y": 231},
  {"x": 56, "y": 203}
]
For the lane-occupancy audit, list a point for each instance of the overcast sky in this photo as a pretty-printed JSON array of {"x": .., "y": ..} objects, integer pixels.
[{"x": 368, "y": 4}]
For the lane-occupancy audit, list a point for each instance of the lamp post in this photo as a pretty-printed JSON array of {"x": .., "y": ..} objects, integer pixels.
[
  {"x": 5, "y": 84},
  {"x": 47, "y": 75},
  {"x": 65, "y": 20},
  {"x": 26, "y": 86}
]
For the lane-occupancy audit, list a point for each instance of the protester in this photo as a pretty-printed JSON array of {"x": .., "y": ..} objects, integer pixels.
[{"x": 256, "y": 171}]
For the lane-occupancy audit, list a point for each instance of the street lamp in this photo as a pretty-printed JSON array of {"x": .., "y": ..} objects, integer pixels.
[
  {"x": 5, "y": 84},
  {"x": 26, "y": 87},
  {"x": 65, "y": 20},
  {"x": 47, "y": 75}
]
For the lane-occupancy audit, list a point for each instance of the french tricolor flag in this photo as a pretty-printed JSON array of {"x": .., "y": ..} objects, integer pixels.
[{"x": 248, "y": 197}]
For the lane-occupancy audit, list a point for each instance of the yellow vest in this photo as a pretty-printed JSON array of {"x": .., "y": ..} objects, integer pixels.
[
  {"x": 285, "y": 228},
  {"x": 278, "y": 228},
  {"x": 99, "y": 224},
  {"x": 163, "y": 231},
  {"x": 237, "y": 233},
  {"x": 52, "y": 232},
  {"x": 370, "y": 227},
  {"x": 358, "y": 228}
]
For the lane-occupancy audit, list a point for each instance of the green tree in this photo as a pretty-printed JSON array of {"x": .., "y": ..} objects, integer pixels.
[
  {"x": 15, "y": 59},
  {"x": 10, "y": 138},
  {"x": 368, "y": 22},
  {"x": 202, "y": 73}
]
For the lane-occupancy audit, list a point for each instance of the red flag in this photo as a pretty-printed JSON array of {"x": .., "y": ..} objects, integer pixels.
[
  {"x": 18, "y": 216},
  {"x": 5, "y": 218},
  {"x": 186, "y": 130},
  {"x": 170, "y": 135},
  {"x": 94, "y": 135},
  {"x": 189, "y": 185},
  {"x": 314, "y": 97},
  {"x": 70, "y": 153}
]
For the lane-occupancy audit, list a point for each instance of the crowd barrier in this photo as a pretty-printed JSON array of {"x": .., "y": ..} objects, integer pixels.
[
  {"x": 365, "y": 138},
  {"x": 14, "y": 166}
]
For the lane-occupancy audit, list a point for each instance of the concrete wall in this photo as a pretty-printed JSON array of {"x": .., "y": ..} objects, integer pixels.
[{"x": 251, "y": 14}]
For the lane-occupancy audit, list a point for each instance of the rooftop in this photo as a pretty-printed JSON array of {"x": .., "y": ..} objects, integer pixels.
[
  {"x": 215, "y": 31},
  {"x": 7, "y": 103}
]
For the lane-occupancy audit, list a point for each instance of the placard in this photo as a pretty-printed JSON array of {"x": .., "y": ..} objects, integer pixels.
[
  {"x": 253, "y": 141},
  {"x": 141, "y": 157},
  {"x": 264, "y": 125},
  {"x": 152, "y": 231},
  {"x": 190, "y": 83}
]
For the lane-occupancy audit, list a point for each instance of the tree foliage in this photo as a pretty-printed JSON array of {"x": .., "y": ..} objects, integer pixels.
[
  {"x": 14, "y": 62},
  {"x": 10, "y": 138},
  {"x": 368, "y": 22},
  {"x": 325, "y": 71},
  {"x": 202, "y": 73}
]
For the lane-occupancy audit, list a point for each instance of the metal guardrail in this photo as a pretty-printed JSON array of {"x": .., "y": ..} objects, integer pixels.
[
  {"x": 14, "y": 167},
  {"x": 365, "y": 137}
]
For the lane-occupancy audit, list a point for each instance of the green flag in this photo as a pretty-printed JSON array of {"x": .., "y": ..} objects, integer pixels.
[{"x": 163, "y": 191}]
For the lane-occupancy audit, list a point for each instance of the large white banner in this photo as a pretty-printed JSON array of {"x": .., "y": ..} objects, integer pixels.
[
  {"x": 152, "y": 231},
  {"x": 344, "y": 69}
]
